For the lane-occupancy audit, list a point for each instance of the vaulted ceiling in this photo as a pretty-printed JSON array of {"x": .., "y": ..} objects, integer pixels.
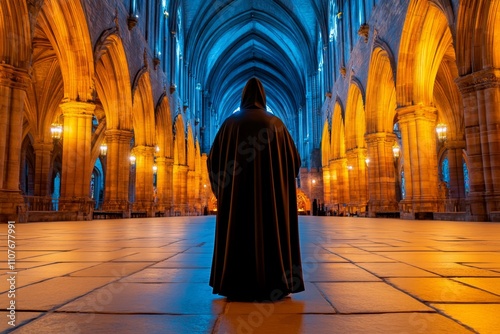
[{"x": 229, "y": 41}]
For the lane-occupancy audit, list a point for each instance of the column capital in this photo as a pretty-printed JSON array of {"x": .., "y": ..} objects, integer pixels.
[
  {"x": 77, "y": 108},
  {"x": 408, "y": 113},
  {"x": 43, "y": 146},
  {"x": 377, "y": 137},
  {"x": 144, "y": 150},
  {"x": 487, "y": 78},
  {"x": 13, "y": 77},
  {"x": 116, "y": 135},
  {"x": 455, "y": 144}
]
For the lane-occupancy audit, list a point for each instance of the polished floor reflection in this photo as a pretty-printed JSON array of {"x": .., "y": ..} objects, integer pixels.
[{"x": 151, "y": 276}]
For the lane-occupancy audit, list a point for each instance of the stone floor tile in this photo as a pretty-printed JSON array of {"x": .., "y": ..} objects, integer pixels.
[
  {"x": 145, "y": 256},
  {"x": 170, "y": 275},
  {"x": 411, "y": 323},
  {"x": 309, "y": 301},
  {"x": 456, "y": 270},
  {"x": 20, "y": 319},
  {"x": 57, "y": 269},
  {"x": 488, "y": 284},
  {"x": 118, "y": 323},
  {"x": 483, "y": 318},
  {"x": 369, "y": 297},
  {"x": 161, "y": 298},
  {"x": 112, "y": 269},
  {"x": 80, "y": 256},
  {"x": 322, "y": 257},
  {"x": 395, "y": 269},
  {"x": 50, "y": 293},
  {"x": 335, "y": 272},
  {"x": 440, "y": 290}
]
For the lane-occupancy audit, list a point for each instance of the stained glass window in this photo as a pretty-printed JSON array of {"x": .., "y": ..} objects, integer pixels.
[
  {"x": 445, "y": 171},
  {"x": 466, "y": 179}
]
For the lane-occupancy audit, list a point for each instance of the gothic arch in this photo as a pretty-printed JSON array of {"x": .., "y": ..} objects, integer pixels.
[
  {"x": 179, "y": 141},
  {"x": 64, "y": 24},
  {"x": 338, "y": 146},
  {"x": 15, "y": 31},
  {"x": 143, "y": 110},
  {"x": 113, "y": 81},
  {"x": 424, "y": 42},
  {"x": 355, "y": 123},
  {"x": 478, "y": 35},
  {"x": 164, "y": 135},
  {"x": 325, "y": 145},
  {"x": 380, "y": 93}
]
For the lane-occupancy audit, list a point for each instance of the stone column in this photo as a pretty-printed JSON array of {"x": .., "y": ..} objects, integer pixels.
[
  {"x": 76, "y": 158},
  {"x": 327, "y": 194},
  {"x": 481, "y": 97},
  {"x": 456, "y": 198},
  {"x": 43, "y": 164},
  {"x": 417, "y": 124},
  {"x": 144, "y": 191},
  {"x": 13, "y": 86},
  {"x": 117, "y": 171},
  {"x": 164, "y": 184},
  {"x": 180, "y": 174},
  {"x": 381, "y": 173},
  {"x": 341, "y": 183}
]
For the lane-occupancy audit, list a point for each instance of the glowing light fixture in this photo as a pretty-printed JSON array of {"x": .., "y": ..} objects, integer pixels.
[
  {"x": 104, "y": 149},
  {"x": 155, "y": 168},
  {"x": 165, "y": 14},
  {"x": 132, "y": 159},
  {"x": 396, "y": 150},
  {"x": 367, "y": 161},
  {"x": 56, "y": 130},
  {"x": 441, "y": 130}
]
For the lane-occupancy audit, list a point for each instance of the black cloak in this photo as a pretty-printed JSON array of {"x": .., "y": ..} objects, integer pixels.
[{"x": 252, "y": 167}]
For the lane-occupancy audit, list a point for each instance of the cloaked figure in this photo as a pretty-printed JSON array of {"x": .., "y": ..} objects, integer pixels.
[{"x": 252, "y": 166}]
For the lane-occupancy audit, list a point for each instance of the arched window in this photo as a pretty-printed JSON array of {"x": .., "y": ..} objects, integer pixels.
[{"x": 466, "y": 178}]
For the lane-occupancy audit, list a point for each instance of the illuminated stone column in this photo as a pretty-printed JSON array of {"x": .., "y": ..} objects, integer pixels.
[
  {"x": 43, "y": 161},
  {"x": 13, "y": 85},
  {"x": 144, "y": 190},
  {"x": 456, "y": 198},
  {"x": 180, "y": 178},
  {"x": 164, "y": 184},
  {"x": 334, "y": 191},
  {"x": 117, "y": 171},
  {"x": 191, "y": 191},
  {"x": 76, "y": 158},
  {"x": 327, "y": 194},
  {"x": 341, "y": 184},
  {"x": 356, "y": 167},
  {"x": 481, "y": 98},
  {"x": 381, "y": 173},
  {"x": 418, "y": 133}
]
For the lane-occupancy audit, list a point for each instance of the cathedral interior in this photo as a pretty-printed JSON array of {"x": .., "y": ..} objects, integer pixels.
[{"x": 109, "y": 108}]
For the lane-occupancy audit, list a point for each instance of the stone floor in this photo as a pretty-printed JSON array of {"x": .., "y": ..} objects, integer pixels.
[{"x": 151, "y": 276}]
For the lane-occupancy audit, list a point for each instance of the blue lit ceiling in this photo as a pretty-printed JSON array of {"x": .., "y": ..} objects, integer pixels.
[{"x": 227, "y": 42}]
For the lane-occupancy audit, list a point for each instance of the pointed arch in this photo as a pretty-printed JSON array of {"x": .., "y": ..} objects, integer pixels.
[
  {"x": 15, "y": 31},
  {"x": 65, "y": 26},
  {"x": 325, "y": 145},
  {"x": 478, "y": 35},
  {"x": 338, "y": 148},
  {"x": 113, "y": 80},
  {"x": 424, "y": 42},
  {"x": 380, "y": 93},
  {"x": 164, "y": 134},
  {"x": 179, "y": 141},
  {"x": 143, "y": 110},
  {"x": 355, "y": 123},
  {"x": 191, "y": 149}
]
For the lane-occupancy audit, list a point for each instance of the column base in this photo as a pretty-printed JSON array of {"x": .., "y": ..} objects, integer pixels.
[
  {"x": 82, "y": 206},
  {"x": 12, "y": 207}
]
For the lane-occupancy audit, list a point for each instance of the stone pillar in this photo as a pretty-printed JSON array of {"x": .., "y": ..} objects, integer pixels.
[
  {"x": 481, "y": 98},
  {"x": 43, "y": 164},
  {"x": 381, "y": 173},
  {"x": 418, "y": 133},
  {"x": 455, "y": 201},
  {"x": 117, "y": 171},
  {"x": 77, "y": 159},
  {"x": 13, "y": 86},
  {"x": 341, "y": 183},
  {"x": 327, "y": 194},
  {"x": 180, "y": 174},
  {"x": 144, "y": 191},
  {"x": 191, "y": 192}
]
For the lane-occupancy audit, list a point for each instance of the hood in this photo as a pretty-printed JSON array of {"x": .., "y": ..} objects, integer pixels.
[{"x": 253, "y": 96}]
